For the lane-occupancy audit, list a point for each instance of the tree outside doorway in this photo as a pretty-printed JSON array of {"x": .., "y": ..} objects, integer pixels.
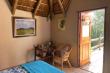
[{"x": 97, "y": 30}]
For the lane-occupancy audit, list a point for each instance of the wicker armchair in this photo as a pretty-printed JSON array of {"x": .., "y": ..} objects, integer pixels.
[{"x": 61, "y": 55}]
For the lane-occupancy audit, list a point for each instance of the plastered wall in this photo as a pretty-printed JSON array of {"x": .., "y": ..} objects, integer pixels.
[{"x": 15, "y": 51}]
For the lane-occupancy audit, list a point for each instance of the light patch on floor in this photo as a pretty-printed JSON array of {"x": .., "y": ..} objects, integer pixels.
[
  {"x": 75, "y": 70},
  {"x": 96, "y": 64},
  {"x": 67, "y": 69}
]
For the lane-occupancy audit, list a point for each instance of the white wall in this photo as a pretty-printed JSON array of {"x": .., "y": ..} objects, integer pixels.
[{"x": 14, "y": 51}]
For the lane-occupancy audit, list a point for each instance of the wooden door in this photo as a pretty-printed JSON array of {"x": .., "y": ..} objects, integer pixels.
[{"x": 84, "y": 42}]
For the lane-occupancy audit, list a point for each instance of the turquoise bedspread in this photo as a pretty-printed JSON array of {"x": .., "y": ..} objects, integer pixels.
[{"x": 40, "y": 67}]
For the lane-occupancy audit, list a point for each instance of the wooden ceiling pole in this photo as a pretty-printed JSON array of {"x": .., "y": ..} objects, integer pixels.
[
  {"x": 25, "y": 6},
  {"x": 62, "y": 8},
  {"x": 50, "y": 3},
  {"x": 67, "y": 6},
  {"x": 14, "y": 6},
  {"x": 36, "y": 8}
]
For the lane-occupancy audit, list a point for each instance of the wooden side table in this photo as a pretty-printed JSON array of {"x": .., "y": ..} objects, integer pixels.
[{"x": 43, "y": 54}]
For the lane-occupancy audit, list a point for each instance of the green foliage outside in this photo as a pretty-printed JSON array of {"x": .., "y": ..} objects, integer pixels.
[{"x": 97, "y": 25}]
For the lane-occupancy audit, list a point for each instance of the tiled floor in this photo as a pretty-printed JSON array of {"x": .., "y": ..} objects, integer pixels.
[
  {"x": 75, "y": 70},
  {"x": 94, "y": 67}
]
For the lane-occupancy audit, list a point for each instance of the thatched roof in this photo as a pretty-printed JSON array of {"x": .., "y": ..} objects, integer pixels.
[{"x": 41, "y": 7}]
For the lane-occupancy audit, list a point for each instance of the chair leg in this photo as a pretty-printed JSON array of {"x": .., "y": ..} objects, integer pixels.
[
  {"x": 53, "y": 62},
  {"x": 69, "y": 63},
  {"x": 62, "y": 65}
]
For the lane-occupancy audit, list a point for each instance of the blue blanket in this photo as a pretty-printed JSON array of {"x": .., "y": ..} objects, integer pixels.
[{"x": 40, "y": 67}]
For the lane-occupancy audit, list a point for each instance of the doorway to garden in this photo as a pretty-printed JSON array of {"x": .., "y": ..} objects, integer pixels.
[{"x": 91, "y": 40}]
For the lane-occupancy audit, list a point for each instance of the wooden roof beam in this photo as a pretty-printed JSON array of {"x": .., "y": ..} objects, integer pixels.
[
  {"x": 61, "y": 6},
  {"x": 44, "y": 3},
  {"x": 36, "y": 8},
  {"x": 25, "y": 6},
  {"x": 50, "y": 3},
  {"x": 67, "y": 5},
  {"x": 14, "y": 6},
  {"x": 33, "y": 0}
]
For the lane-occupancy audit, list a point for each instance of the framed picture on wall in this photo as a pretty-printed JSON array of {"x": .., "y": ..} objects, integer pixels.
[
  {"x": 61, "y": 24},
  {"x": 23, "y": 26}
]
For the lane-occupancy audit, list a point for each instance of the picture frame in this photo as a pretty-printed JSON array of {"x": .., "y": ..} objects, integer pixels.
[
  {"x": 61, "y": 24},
  {"x": 23, "y": 26}
]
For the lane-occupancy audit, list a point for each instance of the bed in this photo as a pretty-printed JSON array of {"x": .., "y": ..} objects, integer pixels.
[{"x": 33, "y": 67}]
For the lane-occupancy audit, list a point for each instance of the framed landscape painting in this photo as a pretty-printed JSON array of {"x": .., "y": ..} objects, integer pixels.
[{"x": 23, "y": 27}]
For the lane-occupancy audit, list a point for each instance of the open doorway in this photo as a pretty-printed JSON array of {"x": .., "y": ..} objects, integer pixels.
[{"x": 91, "y": 40}]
